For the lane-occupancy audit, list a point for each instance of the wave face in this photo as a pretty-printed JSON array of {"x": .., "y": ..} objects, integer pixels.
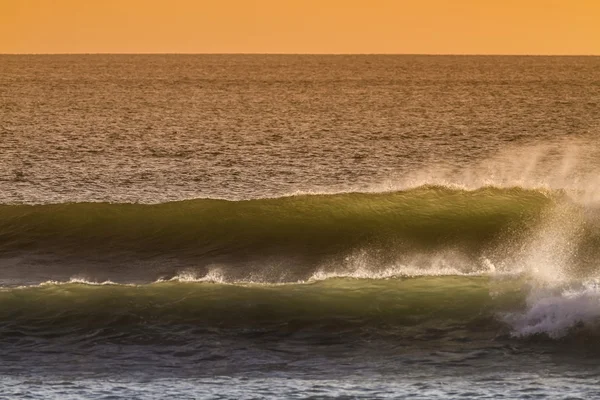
[
  {"x": 429, "y": 309},
  {"x": 273, "y": 240},
  {"x": 127, "y": 312}
]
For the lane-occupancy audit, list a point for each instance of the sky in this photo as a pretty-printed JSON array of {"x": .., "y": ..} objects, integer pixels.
[{"x": 301, "y": 26}]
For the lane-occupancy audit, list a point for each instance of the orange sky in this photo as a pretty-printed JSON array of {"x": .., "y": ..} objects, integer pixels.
[{"x": 301, "y": 26}]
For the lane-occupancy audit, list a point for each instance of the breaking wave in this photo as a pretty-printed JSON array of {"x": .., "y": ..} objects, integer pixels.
[{"x": 515, "y": 261}]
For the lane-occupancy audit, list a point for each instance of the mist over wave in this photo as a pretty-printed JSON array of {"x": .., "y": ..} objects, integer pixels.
[{"x": 563, "y": 164}]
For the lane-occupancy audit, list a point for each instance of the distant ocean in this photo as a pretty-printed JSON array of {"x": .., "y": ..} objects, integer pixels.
[{"x": 281, "y": 226}]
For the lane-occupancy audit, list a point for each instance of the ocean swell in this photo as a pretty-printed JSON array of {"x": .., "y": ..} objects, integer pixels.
[{"x": 514, "y": 257}]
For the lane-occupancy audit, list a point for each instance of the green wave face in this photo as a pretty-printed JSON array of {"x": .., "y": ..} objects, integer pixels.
[
  {"x": 448, "y": 309},
  {"x": 299, "y": 231},
  {"x": 426, "y": 215},
  {"x": 356, "y": 305}
]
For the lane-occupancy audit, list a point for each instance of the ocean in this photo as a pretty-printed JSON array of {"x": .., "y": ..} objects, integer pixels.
[{"x": 299, "y": 227}]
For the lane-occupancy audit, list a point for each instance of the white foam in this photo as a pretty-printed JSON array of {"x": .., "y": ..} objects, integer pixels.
[
  {"x": 71, "y": 281},
  {"x": 388, "y": 273},
  {"x": 75, "y": 281},
  {"x": 214, "y": 275},
  {"x": 555, "y": 313},
  {"x": 363, "y": 264}
]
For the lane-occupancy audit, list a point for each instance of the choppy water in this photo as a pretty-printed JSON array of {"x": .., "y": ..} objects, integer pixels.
[{"x": 299, "y": 226}]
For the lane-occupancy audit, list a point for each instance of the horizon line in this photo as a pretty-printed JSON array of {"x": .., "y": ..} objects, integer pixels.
[{"x": 304, "y": 54}]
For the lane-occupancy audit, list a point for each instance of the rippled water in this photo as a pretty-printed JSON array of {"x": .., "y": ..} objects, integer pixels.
[
  {"x": 157, "y": 128},
  {"x": 466, "y": 267}
]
